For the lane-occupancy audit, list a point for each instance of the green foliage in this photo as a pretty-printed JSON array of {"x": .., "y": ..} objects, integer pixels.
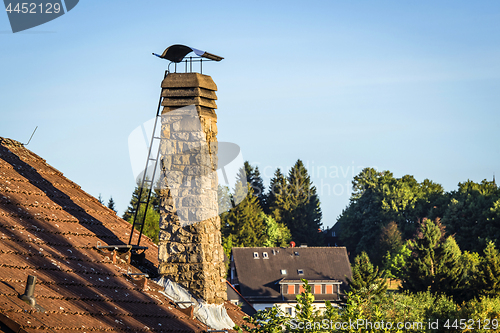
[
  {"x": 434, "y": 264},
  {"x": 489, "y": 272},
  {"x": 379, "y": 198},
  {"x": 417, "y": 310},
  {"x": 276, "y": 198},
  {"x": 111, "y": 204},
  {"x": 394, "y": 263},
  {"x": 301, "y": 211},
  {"x": 473, "y": 214},
  {"x": 151, "y": 223},
  {"x": 244, "y": 222},
  {"x": 367, "y": 281},
  {"x": 154, "y": 201},
  {"x": 266, "y": 321},
  {"x": 277, "y": 234},
  {"x": 255, "y": 181}
]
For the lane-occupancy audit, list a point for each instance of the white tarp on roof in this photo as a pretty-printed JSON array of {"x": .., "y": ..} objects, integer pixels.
[{"x": 213, "y": 315}]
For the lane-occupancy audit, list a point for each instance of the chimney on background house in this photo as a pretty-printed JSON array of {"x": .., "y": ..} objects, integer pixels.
[{"x": 189, "y": 250}]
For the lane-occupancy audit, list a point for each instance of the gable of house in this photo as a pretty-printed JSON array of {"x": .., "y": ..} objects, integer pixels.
[{"x": 276, "y": 273}]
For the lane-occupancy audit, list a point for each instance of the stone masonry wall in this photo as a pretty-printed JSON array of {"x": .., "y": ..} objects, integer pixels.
[{"x": 190, "y": 251}]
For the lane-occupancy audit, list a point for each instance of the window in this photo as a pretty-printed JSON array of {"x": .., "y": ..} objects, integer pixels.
[
  {"x": 300, "y": 271},
  {"x": 288, "y": 310},
  {"x": 329, "y": 289},
  {"x": 283, "y": 272},
  {"x": 264, "y": 255},
  {"x": 256, "y": 255},
  {"x": 334, "y": 234},
  {"x": 290, "y": 289},
  {"x": 296, "y": 253},
  {"x": 317, "y": 289}
]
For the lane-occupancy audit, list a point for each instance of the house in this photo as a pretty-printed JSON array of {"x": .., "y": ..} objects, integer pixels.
[
  {"x": 332, "y": 236},
  {"x": 73, "y": 251},
  {"x": 272, "y": 276}
]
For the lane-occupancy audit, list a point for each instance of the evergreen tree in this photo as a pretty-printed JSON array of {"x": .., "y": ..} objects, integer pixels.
[
  {"x": 111, "y": 204},
  {"x": 276, "y": 199},
  {"x": 223, "y": 199},
  {"x": 99, "y": 198},
  {"x": 367, "y": 281},
  {"x": 435, "y": 261},
  {"x": 301, "y": 212},
  {"x": 256, "y": 183},
  {"x": 489, "y": 271},
  {"x": 154, "y": 201},
  {"x": 244, "y": 223},
  {"x": 151, "y": 227}
]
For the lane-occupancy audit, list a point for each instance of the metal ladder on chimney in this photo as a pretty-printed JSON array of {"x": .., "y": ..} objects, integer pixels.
[{"x": 146, "y": 183}]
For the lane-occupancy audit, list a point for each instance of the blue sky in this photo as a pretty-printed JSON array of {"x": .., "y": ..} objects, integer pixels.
[{"x": 407, "y": 86}]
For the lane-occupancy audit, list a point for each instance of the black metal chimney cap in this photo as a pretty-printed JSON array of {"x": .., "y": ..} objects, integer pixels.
[{"x": 177, "y": 52}]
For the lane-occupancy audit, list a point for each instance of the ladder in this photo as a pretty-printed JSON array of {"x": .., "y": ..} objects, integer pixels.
[{"x": 147, "y": 184}]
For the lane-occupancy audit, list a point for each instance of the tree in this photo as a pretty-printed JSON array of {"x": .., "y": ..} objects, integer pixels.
[
  {"x": 256, "y": 183},
  {"x": 111, "y": 204},
  {"x": 394, "y": 263},
  {"x": 276, "y": 199},
  {"x": 151, "y": 227},
  {"x": 489, "y": 271},
  {"x": 379, "y": 198},
  {"x": 277, "y": 234},
  {"x": 99, "y": 198},
  {"x": 367, "y": 281},
  {"x": 390, "y": 241},
  {"x": 154, "y": 201},
  {"x": 244, "y": 222},
  {"x": 473, "y": 214},
  {"x": 434, "y": 264},
  {"x": 301, "y": 210}
]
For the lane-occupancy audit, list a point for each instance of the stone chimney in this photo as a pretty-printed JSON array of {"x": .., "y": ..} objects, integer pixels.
[{"x": 190, "y": 251}]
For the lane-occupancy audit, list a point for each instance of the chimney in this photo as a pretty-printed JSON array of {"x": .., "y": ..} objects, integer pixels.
[{"x": 189, "y": 250}]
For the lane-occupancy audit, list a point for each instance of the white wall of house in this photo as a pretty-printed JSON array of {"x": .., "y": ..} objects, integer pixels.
[{"x": 288, "y": 308}]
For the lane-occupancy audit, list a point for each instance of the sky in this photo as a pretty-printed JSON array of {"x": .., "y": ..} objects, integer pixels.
[{"x": 412, "y": 87}]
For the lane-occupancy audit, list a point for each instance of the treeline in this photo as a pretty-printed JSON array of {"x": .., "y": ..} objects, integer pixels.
[
  {"x": 288, "y": 210},
  {"x": 443, "y": 290},
  {"x": 429, "y": 239},
  {"x": 471, "y": 213},
  {"x": 391, "y": 312}
]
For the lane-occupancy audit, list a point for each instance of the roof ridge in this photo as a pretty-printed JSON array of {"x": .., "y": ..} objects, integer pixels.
[{"x": 10, "y": 142}]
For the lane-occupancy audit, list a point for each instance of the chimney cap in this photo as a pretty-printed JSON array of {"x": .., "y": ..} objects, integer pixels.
[{"x": 177, "y": 52}]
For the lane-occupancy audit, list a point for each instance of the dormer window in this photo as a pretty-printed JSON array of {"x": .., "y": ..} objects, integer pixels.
[
  {"x": 296, "y": 253},
  {"x": 256, "y": 255},
  {"x": 264, "y": 255},
  {"x": 300, "y": 271},
  {"x": 283, "y": 272}
]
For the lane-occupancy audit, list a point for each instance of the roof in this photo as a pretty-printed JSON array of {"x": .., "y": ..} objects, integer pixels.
[
  {"x": 49, "y": 228},
  {"x": 261, "y": 277}
]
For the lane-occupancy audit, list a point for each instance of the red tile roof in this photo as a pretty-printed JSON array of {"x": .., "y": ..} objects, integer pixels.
[{"x": 49, "y": 228}]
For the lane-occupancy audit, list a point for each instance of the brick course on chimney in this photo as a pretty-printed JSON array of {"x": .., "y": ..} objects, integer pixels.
[{"x": 190, "y": 251}]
